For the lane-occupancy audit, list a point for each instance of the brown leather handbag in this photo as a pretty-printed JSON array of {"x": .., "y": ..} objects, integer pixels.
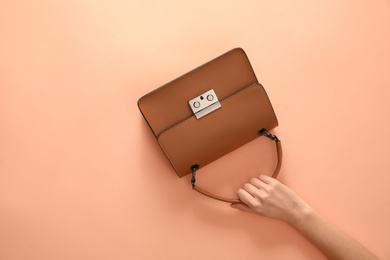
[{"x": 209, "y": 112}]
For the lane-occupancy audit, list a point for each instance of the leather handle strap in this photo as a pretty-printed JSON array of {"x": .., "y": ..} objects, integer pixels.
[{"x": 274, "y": 175}]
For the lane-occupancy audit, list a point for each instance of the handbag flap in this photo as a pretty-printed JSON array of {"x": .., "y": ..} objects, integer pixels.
[
  {"x": 168, "y": 105},
  {"x": 202, "y": 141}
]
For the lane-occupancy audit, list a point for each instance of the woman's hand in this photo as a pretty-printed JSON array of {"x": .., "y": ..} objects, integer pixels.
[{"x": 268, "y": 197}]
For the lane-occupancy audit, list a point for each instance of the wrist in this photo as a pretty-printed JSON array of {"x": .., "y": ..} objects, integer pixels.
[{"x": 301, "y": 214}]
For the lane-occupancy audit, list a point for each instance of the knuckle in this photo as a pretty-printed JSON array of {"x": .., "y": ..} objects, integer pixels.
[
  {"x": 247, "y": 186},
  {"x": 274, "y": 186},
  {"x": 268, "y": 189},
  {"x": 265, "y": 196},
  {"x": 255, "y": 204},
  {"x": 259, "y": 194},
  {"x": 240, "y": 192}
]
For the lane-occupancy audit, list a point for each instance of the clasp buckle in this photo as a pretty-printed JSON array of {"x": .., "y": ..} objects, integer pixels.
[{"x": 204, "y": 104}]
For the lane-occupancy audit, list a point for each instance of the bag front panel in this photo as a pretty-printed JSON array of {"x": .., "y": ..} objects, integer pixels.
[
  {"x": 168, "y": 105},
  {"x": 201, "y": 141}
]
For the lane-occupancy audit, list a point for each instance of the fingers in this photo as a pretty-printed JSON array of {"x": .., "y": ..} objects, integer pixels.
[
  {"x": 263, "y": 181},
  {"x": 271, "y": 183},
  {"x": 247, "y": 198},
  {"x": 268, "y": 197},
  {"x": 254, "y": 192},
  {"x": 267, "y": 179},
  {"x": 241, "y": 206},
  {"x": 259, "y": 184},
  {"x": 251, "y": 189}
]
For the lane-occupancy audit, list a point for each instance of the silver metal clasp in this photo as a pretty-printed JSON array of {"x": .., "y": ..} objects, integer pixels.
[{"x": 204, "y": 104}]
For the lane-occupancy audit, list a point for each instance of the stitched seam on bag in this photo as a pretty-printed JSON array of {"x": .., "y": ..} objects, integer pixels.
[
  {"x": 239, "y": 92},
  {"x": 160, "y": 137},
  {"x": 185, "y": 75}
]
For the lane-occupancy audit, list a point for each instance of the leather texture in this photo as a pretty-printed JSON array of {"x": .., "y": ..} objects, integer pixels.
[
  {"x": 167, "y": 105},
  {"x": 202, "y": 141},
  {"x": 186, "y": 140}
]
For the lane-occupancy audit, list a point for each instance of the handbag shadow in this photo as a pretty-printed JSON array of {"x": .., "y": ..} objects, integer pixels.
[{"x": 158, "y": 173}]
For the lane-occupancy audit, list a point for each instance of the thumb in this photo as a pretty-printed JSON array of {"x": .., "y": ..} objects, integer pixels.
[{"x": 240, "y": 206}]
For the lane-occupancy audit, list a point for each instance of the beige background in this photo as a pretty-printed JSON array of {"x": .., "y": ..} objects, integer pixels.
[{"x": 82, "y": 177}]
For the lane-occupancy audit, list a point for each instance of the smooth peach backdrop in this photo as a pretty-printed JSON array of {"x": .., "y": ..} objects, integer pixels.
[{"x": 82, "y": 177}]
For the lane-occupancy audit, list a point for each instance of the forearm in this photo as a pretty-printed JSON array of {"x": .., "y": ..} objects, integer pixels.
[
  {"x": 333, "y": 243},
  {"x": 269, "y": 197}
]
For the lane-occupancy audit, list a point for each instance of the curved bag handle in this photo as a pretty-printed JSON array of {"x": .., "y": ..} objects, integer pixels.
[{"x": 274, "y": 175}]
